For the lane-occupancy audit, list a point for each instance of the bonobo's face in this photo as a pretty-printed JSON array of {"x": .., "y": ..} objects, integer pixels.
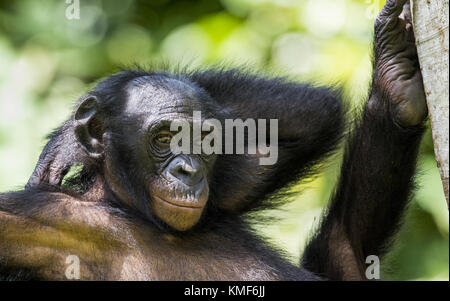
[{"x": 175, "y": 186}]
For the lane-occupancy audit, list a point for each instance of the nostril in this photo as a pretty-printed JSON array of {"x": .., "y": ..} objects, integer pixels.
[
  {"x": 188, "y": 172},
  {"x": 185, "y": 172}
]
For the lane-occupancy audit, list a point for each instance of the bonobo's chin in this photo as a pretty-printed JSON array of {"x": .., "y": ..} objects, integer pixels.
[{"x": 180, "y": 208}]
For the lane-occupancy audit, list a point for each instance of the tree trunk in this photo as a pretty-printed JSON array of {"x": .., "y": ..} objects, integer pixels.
[{"x": 430, "y": 19}]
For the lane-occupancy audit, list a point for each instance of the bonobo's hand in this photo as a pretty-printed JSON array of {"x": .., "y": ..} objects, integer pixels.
[
  {"x": 397, "y": 76},
  {"x": 57, "y": 157}
]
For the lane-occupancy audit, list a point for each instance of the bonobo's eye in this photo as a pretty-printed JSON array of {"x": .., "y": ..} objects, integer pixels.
[{"x": 164, "y": 137}]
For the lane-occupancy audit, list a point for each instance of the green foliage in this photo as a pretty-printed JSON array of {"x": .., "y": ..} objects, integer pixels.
[{"x": 47, "y": 61}]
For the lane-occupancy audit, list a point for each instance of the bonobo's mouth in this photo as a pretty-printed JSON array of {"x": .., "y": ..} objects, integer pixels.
[
  {"x": 182, "y": 196},
  {"x": 180, "y": 204}
]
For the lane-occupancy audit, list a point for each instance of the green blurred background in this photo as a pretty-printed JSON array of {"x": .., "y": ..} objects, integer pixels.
[{"x": 47, "y": 61}]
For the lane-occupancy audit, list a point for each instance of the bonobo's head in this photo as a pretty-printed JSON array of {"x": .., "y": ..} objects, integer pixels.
[{"x": 129, "y": 132}]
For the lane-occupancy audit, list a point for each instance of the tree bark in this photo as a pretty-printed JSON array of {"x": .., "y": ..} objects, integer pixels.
[{"x": 430, "y": 20}]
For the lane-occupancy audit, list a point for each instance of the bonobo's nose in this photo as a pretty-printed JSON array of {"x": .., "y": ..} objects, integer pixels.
[{"x": 186, "y": 169}]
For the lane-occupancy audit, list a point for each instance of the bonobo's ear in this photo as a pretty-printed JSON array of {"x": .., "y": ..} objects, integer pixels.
[{"x": 89, "y": 126}]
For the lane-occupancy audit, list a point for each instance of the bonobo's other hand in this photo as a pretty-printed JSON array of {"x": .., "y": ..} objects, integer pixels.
[{"x": 397, "y": 76}]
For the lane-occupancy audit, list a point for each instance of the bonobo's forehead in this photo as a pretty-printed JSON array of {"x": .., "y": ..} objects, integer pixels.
[{"x": 159, "y": 95}]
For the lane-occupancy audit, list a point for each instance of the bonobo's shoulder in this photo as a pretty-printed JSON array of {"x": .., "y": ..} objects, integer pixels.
[
  {"x": 24, "y": 200},
  {"x": 53, "y": 204}
]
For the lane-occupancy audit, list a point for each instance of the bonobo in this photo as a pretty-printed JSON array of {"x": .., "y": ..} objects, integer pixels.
[{"x": 135, "y": 210}]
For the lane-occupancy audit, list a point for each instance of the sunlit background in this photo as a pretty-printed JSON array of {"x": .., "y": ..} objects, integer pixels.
[{"x": 47, "y": 61}]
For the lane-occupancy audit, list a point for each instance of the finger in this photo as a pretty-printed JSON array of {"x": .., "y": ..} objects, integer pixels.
[
  {"x": 406, "y": 12},
  {"x": 390, "y": 12},
  {"x": 40, "y": 175},
  {"x": 406, "y": 18},
  {"x": 57, "y": 173},
  {"x": 393, "y": 8},
  {"x": 388, "y": 16}
]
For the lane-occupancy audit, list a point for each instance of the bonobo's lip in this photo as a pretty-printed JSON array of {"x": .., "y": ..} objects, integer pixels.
[
  {"x": 182, "y": 197},
  {"x": 177, "y": 204}
]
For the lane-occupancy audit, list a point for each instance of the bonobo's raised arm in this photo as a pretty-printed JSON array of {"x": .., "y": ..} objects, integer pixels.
[
  {"x": 310, "y": 125},
  {"x": 377, "y": 173}
]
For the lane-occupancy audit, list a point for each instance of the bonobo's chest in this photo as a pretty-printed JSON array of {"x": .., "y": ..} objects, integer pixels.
[{"x": 204, "y": 257}]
